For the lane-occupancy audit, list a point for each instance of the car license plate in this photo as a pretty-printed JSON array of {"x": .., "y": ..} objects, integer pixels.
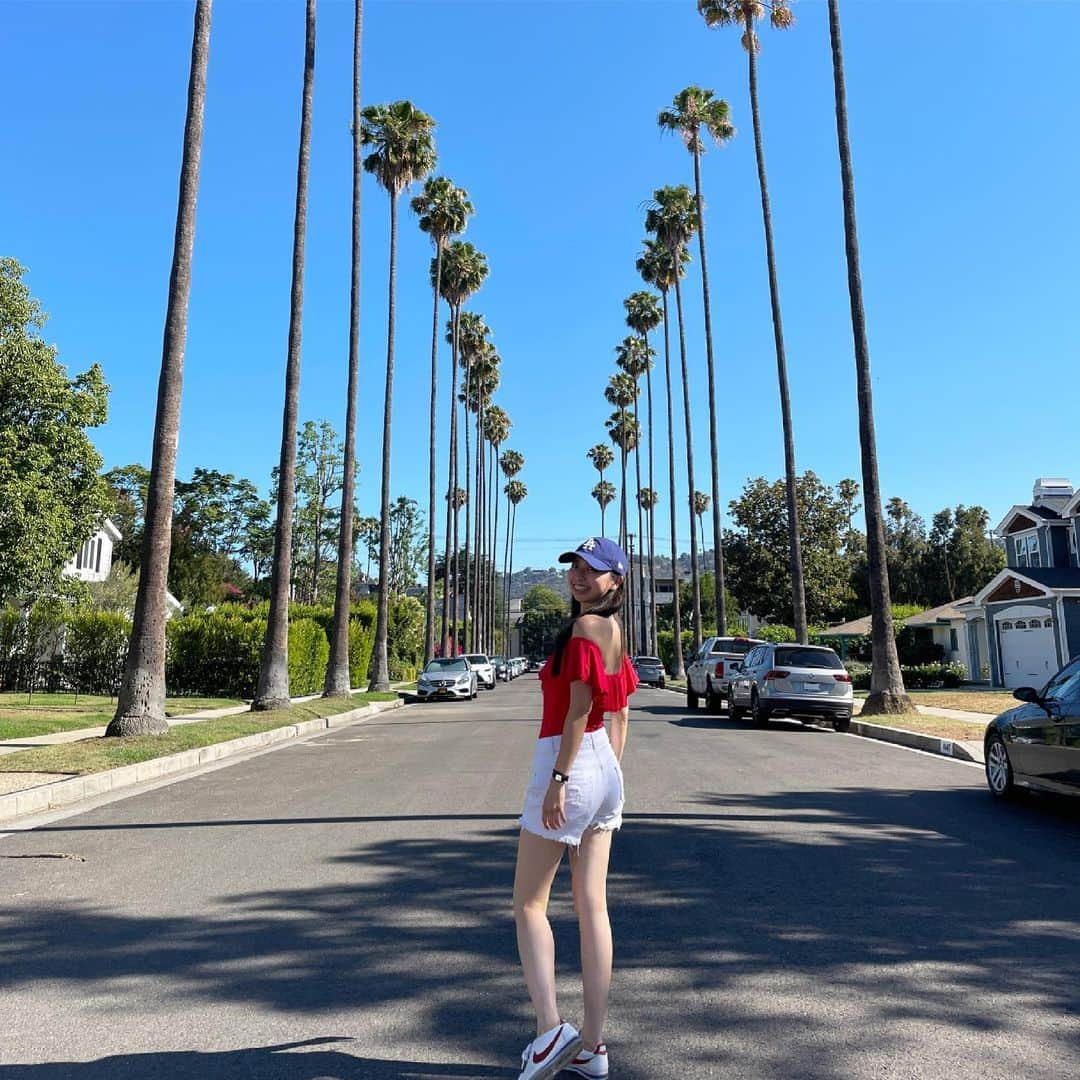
[{"x": 813, "y": 687}]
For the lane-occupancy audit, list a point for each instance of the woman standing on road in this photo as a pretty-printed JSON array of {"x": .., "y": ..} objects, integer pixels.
[{"x": 575, "y": 800}]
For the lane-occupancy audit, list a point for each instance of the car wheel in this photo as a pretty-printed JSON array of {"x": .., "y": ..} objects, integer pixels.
[
  {"x": 758, "y": 713},
  {"x": 842, "y": 723},
  {"x": 691, "y": 699},
  {"x": 999, "y": 773},
  {"x": 713, "y": 701},
  {"x": 660, "y": 685},
  {"x": 735, "y": 712}
]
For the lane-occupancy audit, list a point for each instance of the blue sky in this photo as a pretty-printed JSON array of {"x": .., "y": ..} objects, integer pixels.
[{"x": 963, "y": 123}]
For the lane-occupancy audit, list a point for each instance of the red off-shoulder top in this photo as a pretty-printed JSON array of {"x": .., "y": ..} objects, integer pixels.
[{"x": 582, "y": 661}]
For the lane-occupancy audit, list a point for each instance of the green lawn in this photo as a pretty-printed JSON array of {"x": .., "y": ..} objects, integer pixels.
[
  {"x": 23, "y": 716},
  {"x": 981, "y": 700},
  {"x": 941, "y": 726},
  {"x": 98, "y": 754}
]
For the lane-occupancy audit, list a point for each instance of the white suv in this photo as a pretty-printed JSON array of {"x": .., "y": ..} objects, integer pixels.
[
  {"x": 709, "y": 674},
  {"x": 792, "y": 680},
  {"x": 484, "y": 668}
]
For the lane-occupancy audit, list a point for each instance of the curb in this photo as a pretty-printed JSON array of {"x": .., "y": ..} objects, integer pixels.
[
  {"x": 62, "y": 793},
  {"x": 962, "y": 750}
]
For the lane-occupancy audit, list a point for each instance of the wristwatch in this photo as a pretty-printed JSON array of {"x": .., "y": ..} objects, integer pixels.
[{"x": 559, "y": 777}]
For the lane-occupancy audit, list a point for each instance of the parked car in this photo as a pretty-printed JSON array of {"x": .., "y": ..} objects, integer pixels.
[
  {"x": 1037, "y": 744},
  {"x": 800, "y": 681},
  {"x": 447, "y": 677},
  {"x": 650, "y": 670},
  {"x": 502, "y": 668},
  {"x": 534, "y": 664},
  {"x": 709, "y": 673},
  {"x": 484, "y": 668},
  {"x": 517, "y": 666}
]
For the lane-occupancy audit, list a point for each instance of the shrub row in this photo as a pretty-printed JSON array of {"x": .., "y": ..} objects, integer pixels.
[{"x": 916, "y": 676}]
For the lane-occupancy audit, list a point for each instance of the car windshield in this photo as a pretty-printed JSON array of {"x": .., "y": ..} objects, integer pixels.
[
  {"x": 810, "y": 658},
  {"x": 1065, "y": 685},
  {"x": 647, "y": 660},
  {"x": 439, "y": 667},
  {"x": 733, "y": 645},
  {"x": 498, "y": 659},
  {"x": 477, "y": 658}
]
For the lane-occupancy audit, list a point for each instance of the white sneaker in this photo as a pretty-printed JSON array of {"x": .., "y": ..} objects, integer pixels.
[
  {"x": 547, "y": 1054},
  {"x": 590, "y": 1063}
]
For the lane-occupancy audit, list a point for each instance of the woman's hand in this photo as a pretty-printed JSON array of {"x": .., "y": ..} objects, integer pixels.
[{"x": 553, "y": 813}]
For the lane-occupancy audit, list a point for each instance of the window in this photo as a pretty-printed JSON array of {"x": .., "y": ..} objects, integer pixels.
[
  {"x": 1021, "y": 624},
  {"x": 1006, "y": 626},
  {"x": 1027, "y": 550},
  {"x": 805, "y": 657},
  {"x": 1065, "y": 685},
  {"x": 1048, "y": 623},
  {"x": 1074, "y": 560},
  {"x": 954, "y": 640}
]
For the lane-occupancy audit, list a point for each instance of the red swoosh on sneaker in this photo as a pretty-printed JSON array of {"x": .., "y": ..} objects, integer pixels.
[{"x": 539, "y": 1058}]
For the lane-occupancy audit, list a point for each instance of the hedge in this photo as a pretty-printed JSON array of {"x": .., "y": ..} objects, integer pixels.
[
  {"x": 916, "y": 676},
  {"x": 95, "y": 651}
]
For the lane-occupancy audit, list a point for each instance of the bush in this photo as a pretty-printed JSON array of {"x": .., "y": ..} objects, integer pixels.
[
  {"x": 665, "y": 640},
  {"x": 778, "y": 634},
  {"x": 12, "y": 647},
  {"x": 213, "y": 654},
  {"x": 95, "y": 650},
  {"x": 309, "y": 652},
  {"x": 860, "y": 674},
  {"x": 916, "y": 676}
]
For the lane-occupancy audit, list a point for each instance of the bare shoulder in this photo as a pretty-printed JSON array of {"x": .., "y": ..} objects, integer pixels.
[{"x": 595, "y": 628}]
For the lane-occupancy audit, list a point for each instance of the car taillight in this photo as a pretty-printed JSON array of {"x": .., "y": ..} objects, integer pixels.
[
  {"x": 776, "y": 673},
  {"x": 719, "y": 668},
  {"x": 842, "y": 678}
]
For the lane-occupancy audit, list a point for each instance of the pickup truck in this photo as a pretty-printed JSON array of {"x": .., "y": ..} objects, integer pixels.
[{"x": 708, "y": 675}]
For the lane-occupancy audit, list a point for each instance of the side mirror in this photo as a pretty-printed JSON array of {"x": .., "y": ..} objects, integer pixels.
[
  {"x": 1026, "y": 693},
  {"x": 735, "y": 666}
]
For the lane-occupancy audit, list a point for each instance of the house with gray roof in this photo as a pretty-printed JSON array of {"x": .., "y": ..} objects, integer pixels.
[{"x": 1024, "y": 624}]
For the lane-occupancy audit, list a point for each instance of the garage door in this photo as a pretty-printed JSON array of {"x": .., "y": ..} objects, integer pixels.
[{"x": 1028, "y": 656}]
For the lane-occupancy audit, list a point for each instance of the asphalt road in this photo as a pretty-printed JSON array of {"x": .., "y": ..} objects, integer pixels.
[{"x": 788, "y": 903}]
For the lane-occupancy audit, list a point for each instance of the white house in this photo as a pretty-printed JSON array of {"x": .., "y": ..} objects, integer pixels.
[{"x": 93, "y": 561}]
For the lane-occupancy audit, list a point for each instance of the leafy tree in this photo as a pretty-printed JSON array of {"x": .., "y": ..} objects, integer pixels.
[
  {"x": 407, "y": 544},
  {"x": 117, "y": 592},
  {"x": 758, "y": 550},
  {"x": 51, "y": 497},
  {"x": 959, "y": 556},
  {"x": 272, "y": 689},
  {"x": 693, "y": 109},
  {"x": 402, "y": 152},
  {"x": 543, "y": 612},
  {"x": 319, "y": 475},
  {"x": 906, "y": 549},
  {"x": 127, "y": 488}
]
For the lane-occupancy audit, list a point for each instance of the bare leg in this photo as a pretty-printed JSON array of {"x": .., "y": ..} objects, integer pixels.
[
  {"x": 589, "y": 866},
  {"x": 537, "y": 862}
]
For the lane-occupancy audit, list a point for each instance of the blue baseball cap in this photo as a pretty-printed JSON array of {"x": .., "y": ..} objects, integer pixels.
[{"x": 600, "y": 553}]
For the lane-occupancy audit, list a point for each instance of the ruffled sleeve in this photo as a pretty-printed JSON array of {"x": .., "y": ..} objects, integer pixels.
[
  {"x": 621, "y": 686},
  {"x": 581, "y": 663}
]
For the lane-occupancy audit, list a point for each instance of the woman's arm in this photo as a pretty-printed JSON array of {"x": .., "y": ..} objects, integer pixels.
[
  {"x": 553, "y": 813},
  {"x": 620, "y": 725}
]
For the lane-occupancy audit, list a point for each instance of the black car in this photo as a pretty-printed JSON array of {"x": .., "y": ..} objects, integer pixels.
[{"x": 1037, "y": 744}]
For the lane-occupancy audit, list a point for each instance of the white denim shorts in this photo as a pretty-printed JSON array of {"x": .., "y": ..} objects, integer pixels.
[{"x": 594, "y": 792}]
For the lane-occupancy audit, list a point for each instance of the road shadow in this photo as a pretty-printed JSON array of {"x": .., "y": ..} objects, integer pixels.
[
  {"x": 289, "y": 1061},
  {"x": 921, "y": 905}
]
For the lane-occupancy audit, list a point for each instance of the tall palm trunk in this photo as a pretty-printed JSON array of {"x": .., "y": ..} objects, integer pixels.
[
  {"x": 140, "y": 706},
  {"x": 338, "y": 682},
  {"x": 506, "y": 578},
  {"x": 887, "y": 694},
  {"x": 642, "y": 638},
  {"x": 677, "y": 670},
  {"x": 429, "y": 618},
  {"x": 479, "y": 512},
  {"x": 798, "y": 590},
  {"x": 380, "y": 676},
  {"x": 510, "y": 568},
  {"x": 272, "y": 689},
  {"x": 493, "y": 539},
  {"x": 451, "y": 494},
  {"x": 466, "y": 628},
  {"x": 695, "y": 576},
  {"x": 655, "y": 647},
  {"x": 718, "y": 550}
]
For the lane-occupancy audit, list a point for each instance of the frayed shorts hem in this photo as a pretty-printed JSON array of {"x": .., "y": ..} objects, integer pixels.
[{"x": 570, "y": 839}]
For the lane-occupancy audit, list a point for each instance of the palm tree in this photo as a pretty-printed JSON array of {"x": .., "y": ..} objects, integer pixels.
[
  {"x": 625, "y": 433},
  {"x": 692, "y": 110},
  {"x": 673, "y": 219},
  {"x": 642, "y": 315},
  {"x": 444, "y": 210},
  {"x": 511, "y": 464},
  {"x": 620, "y": 393},
  {"x": 497, "y": 427},
  {"x": 601, "y": 456},
  {"x": 403, "y": 152},
  {"x": 516, "y": 492},
  {"x": 634, "y": 356},
  {"x": 743, "y": 13},
  {"x": 472, "y": 341},
  {"x": 701, "y": 508},
  {"x": 647, "y": 500},
  {"x": 657, "y": 266},
  {"x": 458, "y": 499},
  {"x": 140, "y": 705},
  {"x": 338, "y": 683},
  {"x": 887, "y": 693},
  {"x": 463, "y": 272},
  {"x": 272, "y": 688},
  {"x": 604, "y": 494},
  {"x": 485, "y": 381}
]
